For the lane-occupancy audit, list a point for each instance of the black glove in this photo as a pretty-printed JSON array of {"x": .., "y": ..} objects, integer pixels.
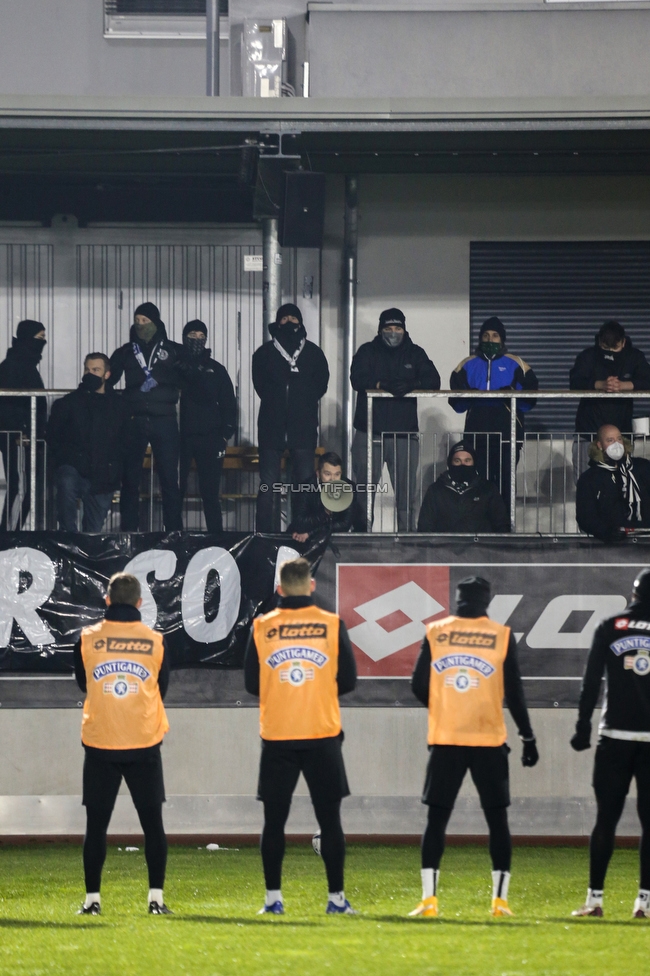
[
  {"x": 530, "y": 755},
  {"x": 400, "y": 388},
  {"x": 582, "y": 738}
]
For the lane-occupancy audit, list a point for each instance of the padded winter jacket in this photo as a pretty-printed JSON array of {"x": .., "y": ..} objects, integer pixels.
[
  {"x": 601, "y": 509},
  {"x": 475, "y": 507},
  {"x": 595, "y": 364},
  {"x": 479, "y": 373},
  {"x": 208, "y": 404},
  {"x": 164, "y": 354},
  {"x": 288, "y": 414}
]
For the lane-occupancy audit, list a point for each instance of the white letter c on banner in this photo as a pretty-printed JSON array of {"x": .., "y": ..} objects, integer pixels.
[
  {"x": 160, "y": 562},
  {"x": 193, "y": 598}
]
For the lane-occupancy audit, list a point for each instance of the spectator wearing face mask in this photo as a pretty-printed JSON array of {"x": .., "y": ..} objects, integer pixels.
[
  {"x": 492, "y": 367},
  {"x": 611, "y": 365},
  {"x": 149, "y": 364},
  {"x": 85, "y": 435},
  {"x": 290, "y": 375},
  {"x": 208, "y": 419},
  {"x": 391, "y": 362},
  {"x": 462, "y": 500},
  {"x": 613, "y": 494},
  {"x": 19, "y": 371}
]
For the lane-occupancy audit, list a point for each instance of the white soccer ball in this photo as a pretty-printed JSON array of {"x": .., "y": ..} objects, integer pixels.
[{"x": 315, "y": 843}]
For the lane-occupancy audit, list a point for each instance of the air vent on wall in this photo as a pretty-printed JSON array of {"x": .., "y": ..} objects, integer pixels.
[{"x": 160, "y": 18}]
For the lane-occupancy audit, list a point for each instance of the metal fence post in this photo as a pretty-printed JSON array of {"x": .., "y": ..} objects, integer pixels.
[
  {"x": 32, "y": 458},
  {"x": 369, "y": 400},
  {"x": 513, "y": 462}
]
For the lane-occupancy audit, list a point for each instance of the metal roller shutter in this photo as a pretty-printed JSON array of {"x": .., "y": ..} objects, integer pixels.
[{"x": 552, "y": 299}]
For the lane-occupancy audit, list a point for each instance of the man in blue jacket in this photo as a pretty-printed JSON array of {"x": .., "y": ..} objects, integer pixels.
[{"x": 492, "y": 367}]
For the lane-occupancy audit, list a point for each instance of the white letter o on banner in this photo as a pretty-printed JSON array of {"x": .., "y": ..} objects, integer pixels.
[{"x": 193, "y": 597}]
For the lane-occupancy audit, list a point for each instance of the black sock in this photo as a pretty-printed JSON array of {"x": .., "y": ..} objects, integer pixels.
[
  {"x": 155, "y": 844},
  {"x": 433, "y": 838},
  {"x": 332, "y": 842},
  {"x": 272, "y": 843},
  {"x": 94, "y": 850},
  {"x": 500, "y": 840}
]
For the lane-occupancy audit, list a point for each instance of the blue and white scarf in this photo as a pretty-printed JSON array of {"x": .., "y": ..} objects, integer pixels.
[{"x": 149, "y": 382}]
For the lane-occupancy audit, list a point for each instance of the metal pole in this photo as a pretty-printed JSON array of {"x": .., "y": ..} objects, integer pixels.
[
  {"x": 369, "y": 469},
  {"x": 350, "y": 238},
  {"x": 212, "y": 47},
  {"x": 272, "y": 264},
  {"x": 513, "y": 461},
  {"x": 32, "y": 466}
]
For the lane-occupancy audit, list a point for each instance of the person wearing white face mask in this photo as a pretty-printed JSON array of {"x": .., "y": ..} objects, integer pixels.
[{"x": 613, "y": 494}]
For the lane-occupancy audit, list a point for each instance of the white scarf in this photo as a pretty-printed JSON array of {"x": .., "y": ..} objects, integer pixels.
[
  {"x": 630, "y": 486},
  {"x": 292, "y": 360}
]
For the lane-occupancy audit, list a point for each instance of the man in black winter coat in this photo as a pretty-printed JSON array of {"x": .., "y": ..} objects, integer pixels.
[
  {"x": 462, "y": 500},
  {"x": 316, "y": 516},
  {"x": 208, "y": 419},
  {"x": 19, "y": 371},
  {"x": 612, "y": 365},
  {"x": 613, "y": 494},
  {"x": 391, "y": 362},
  {"x": 85, "y": 434},
  {"x": 149, "y": 364},
  {"x": 290, "y": 375}
]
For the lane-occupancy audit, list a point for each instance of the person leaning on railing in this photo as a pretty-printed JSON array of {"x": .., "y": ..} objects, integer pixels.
[
  {"x": 613, "y": 494},
  {"x": 462, "y": 500},
  {"x": 394, "y": 363},
  {"x": 492, "y": 367},
  {"x": 19, "y": 371},
  {"x": 612, "y": 365}
]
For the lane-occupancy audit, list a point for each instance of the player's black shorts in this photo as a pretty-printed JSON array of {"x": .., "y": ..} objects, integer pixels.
[
  {"x": 143, "y": 777},
  {"x": 615, "y": 763},
  {"x": 488, "y": 766},
  {"x": 322, "y": 766}
]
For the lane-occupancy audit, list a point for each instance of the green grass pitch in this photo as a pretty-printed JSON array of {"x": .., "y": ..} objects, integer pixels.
[{"x": 216, "y": 931}]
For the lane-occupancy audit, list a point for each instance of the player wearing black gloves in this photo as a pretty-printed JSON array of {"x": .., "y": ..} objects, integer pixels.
[
  {"x": 621, "y": 651},
  {"x": 467, "y": 665}
]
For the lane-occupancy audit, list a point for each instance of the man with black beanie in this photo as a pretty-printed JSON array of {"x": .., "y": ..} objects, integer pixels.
[
  {"x": 149, "y": 364},
  {"x": 290, "y": 375},
  {"x": 19, "y": 371},
  {"x": 208, "y": 419},
  {"x": 492, "y": 367},
  {"x": 391, "y": 362},
  {"x": 620, "y": 650},
  {"x": 467, "y": 665},
  {"x": 461, "y": 499}
]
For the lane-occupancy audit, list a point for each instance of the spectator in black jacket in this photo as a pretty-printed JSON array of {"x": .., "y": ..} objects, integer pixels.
[
  {"x": 315, "y": 515},
  {"x": 391, "y": 362},
  {"x": 613, "y": 494},
  {"x": 612, "y": 365},
  {"x": 19, "y": 371},
  {"x": 208, "y": 419},
  {"x": 85, "y": 434},
  {"x": 290, "y": 375},
  {"x": 149, "y": 363},
  {"x": 462, "y": 500}
]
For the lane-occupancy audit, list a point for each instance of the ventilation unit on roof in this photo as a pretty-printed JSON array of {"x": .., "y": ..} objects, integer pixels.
[{"x": 160, "y": 18}]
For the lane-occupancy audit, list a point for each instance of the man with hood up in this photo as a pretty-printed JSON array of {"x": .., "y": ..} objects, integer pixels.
[
  {"x": 612, "y": 365},
  {"x": 391, "y": 362},
  {"x": 462, "y": 500},
  {"x": 613, "y": 494},
  {"x": 492, "y": 367},
  {"x": 208, "y": 419},
  {"x": 290, "y": 375},
  {"x": 19, "y": 371},
  {"x": 149, "y": 364}
]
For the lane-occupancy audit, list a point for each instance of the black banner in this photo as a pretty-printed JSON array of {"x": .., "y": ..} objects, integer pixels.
[{"x": 201, "y": 591}]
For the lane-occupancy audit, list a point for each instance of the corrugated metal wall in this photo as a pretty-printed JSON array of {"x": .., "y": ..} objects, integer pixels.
[
  {"x": 552, "y": 298},
  {"x": 26, "y": 292}
]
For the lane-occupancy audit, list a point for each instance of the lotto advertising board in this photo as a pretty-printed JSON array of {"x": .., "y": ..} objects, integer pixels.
[{"x": 551, "y": 594}]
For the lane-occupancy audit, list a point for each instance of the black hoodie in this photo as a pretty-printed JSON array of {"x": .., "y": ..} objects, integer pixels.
[
  {"x": 162, "y": 399},
  {"x": 597, "y": 364},
  {"x": 19, "y": 371},
  {"x": 375, "y": 362}
]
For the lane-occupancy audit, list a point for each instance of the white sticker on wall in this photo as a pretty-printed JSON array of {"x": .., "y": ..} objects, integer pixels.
[{"x": 253, "y": 262}]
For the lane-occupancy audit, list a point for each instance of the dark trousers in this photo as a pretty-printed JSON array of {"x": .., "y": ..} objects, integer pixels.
[
  {"x": 162, "y": 434},
  {"x": 268, "y": 500},
  {"x": 17, "y": 464},
  {"x": 208, "y": 453},
  {"x": 493, "y": 459},
  {"x": 70, "y": 487}
]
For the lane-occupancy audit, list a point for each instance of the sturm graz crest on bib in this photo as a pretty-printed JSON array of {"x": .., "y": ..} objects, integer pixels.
[{"x": 297, "y": 674}]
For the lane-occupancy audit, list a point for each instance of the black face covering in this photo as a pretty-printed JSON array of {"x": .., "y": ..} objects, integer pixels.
[
  {"x": 462, "y": 473},
  {"x": 31, "y": 348},
  {"x": 91, "y": 382},
  {"x": 195, "y": 347},
  {"x": 289, "y": 335}
]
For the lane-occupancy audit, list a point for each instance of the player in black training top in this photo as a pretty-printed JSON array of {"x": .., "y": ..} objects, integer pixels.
[{"x": 621, "y": 651}]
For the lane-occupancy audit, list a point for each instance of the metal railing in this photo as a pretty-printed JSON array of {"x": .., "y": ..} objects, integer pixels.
[{"x": 516, "y": 437}]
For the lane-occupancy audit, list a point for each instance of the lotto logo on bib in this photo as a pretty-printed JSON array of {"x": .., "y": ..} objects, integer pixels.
[{"x": 386, "y": 609}]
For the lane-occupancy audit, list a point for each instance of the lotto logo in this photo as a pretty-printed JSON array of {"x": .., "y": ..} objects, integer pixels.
[
  {"x": 129, "y": 645},
  {"x": 386, "y": 609},
  {"x": 288, "y": 631},
  {"x": 460, "y": 638}
]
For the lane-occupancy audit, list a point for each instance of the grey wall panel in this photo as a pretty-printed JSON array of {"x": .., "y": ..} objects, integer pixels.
[{"x": 491, "y": 54}]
